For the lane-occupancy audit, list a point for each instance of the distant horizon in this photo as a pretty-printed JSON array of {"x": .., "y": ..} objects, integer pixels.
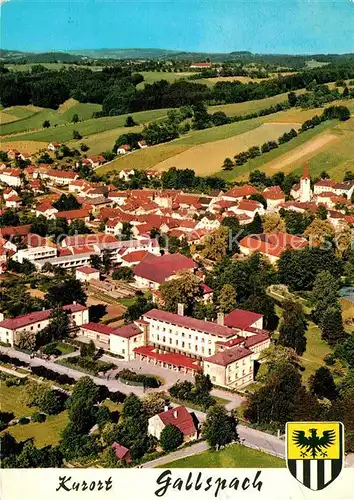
[
  {"x": 177, "y": 51},
  {"x": 293, "y": 27}
]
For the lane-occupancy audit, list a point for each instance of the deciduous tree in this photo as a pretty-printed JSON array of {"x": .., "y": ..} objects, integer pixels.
[
  {"x": 171, "y": 438},
  {"x": 293, "y": 327},
  {"x": 227, "y": 299},
  {"x": 185, "y": 289},
  {"x": 318, "y": 232},
  {"x": 332, "y": 326},
  {"x": 219, "y": 428},
  {"x": 322, "y": 384},
  {"x": 273, "y": 223},
  {"x": 216, "y": 244}
]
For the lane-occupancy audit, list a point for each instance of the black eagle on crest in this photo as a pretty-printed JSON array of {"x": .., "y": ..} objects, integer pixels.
[{"x": 314, "y": 445}]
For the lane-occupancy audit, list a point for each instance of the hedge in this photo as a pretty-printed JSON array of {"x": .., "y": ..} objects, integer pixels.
[
  {"x": 4, "y": 358},
  {"x": 42, "y": 371},
  {"x": 132, "y": 378}
]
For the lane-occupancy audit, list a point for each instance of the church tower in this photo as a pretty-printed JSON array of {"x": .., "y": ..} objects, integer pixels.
[{"x": 305, "y": 186}]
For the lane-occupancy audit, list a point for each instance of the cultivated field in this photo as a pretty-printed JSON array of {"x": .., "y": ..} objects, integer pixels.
[
  {"x": 243, "y": 108},
  {"x": 154, "y": 76},
  {"x": 206, "y": 159},
  {"x": 310, "y": 148},
  {"x": 85, "y": 128},
  {"x": 149, "y": 157},
  {"x": 29, "y": 147}
]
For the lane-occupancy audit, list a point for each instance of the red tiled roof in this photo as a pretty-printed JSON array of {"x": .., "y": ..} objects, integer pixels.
[
  {"x": 88, "y": 239},
  {"x": 202, "y": 65},
  {"x": 206, "y": 288},
  {"x": 325, "y": 183},
  {"x": 120, "y": 451},
  {"x": 81, "y": 250},
  {"x": 158, "y": 269},
  {"x": 241, "y": 191},
  {"x": 274, "y": 194},
  {"x": 137, "y": 256},
  {"x": 305, "y": 174},
  {"x": 250, "y": 205},
  {"x": 64, "y": 252},
  {"x": 174, "y": 359},
  {"x": 34, "y": 240},
  {"x": 127, "y": 331},
  {"x": 35, "y": 317},
  {"x": 273, "y": 243},
  {"x": 15, "y": 230},
  {"x": 14, "y": 197},
  {"x": 180, "y": 418},
  {"x": 80, "y": 213},
  {"x": 62, "y": 174},
  {"x": 256, "y": 339},
  {"x": 99, "y": 328},
  {"x": 87, "y": 270},
  {"x": 349, "y": 219},
  {"x": 229, "y": 356},
  {"x": 188, "y": 322},
  {"x": 240, "y": 318}
]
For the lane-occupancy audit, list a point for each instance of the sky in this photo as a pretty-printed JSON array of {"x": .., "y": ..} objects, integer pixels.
[{"x": 263, "y": 26}]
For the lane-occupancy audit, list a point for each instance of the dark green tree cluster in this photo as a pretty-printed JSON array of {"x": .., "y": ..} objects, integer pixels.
[
  {"x": 25, "y": 455},
  {"x": 66, "y": 202},
  {"x": 76, "y": 442},
  {"x": 198, "y": 393},
  {"x": 299, "y": 268},
  {"x": 293, "y": 327},
  {"x": 219, "y": 428},
  {"x": 249, "y": 279},
  {"x": 65, "y": 290}
]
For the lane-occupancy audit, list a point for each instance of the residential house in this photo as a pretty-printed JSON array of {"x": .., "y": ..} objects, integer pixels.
[
  {"x": 53, "y": 146},
  {"x": 11, "y": 176},
  {"x": 179, "y": 417},
  {"x": 122, "y": 453},
  {"x": 123, "y": 149}
]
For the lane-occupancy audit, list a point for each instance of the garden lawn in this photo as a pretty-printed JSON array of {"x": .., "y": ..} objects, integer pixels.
[
  {"x": 232, "y": 456},
  {"x": 316, "y": 350},
  {"x": 13, "y": 399},
  {"x": 45, "y": 433},
  {"x": 65, "y": 348},
  {"x": 113, "y": 406}
]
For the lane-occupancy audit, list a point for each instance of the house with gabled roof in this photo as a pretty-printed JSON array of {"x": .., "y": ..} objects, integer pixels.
[{"x": 179, "y": 417}]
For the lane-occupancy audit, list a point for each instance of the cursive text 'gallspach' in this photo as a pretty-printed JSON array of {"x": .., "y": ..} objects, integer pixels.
[{"x": 199, "y": 481}]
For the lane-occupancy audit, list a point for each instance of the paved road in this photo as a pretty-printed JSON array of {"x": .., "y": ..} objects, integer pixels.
[
  {"x": 250, "y": 437},
  {"x": 176, "y": 455}
]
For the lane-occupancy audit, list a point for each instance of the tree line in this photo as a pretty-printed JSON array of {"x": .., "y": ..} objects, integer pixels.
[{"x": 116, "y": 88}]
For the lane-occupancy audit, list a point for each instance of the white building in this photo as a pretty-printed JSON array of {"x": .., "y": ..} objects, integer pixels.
[
  {"x": 126, "y": 174},
  {"x": 10, "y": 329},
  {"x": 87, "y": 273},
  {"x": 36, "y": 253},
  {"x": 124, "y": 340},
  {"x": 11, "y": 177}
]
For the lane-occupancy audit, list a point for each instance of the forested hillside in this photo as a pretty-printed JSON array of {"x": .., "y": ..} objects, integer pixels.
[{"x": 116, "y": 88}]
